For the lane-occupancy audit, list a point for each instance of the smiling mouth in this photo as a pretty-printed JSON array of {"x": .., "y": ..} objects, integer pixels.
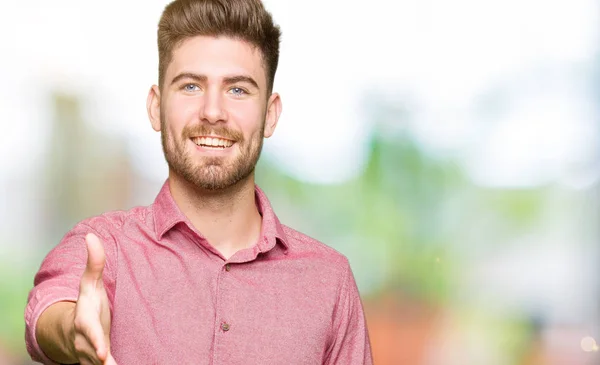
[{"x": 212, "y": 142}]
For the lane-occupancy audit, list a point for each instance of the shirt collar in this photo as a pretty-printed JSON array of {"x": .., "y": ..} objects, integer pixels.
[{"x": 167, "y": 214}]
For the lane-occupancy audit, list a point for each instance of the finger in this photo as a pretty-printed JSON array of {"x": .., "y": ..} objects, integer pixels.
[
  {"x": 110, "y": 360},
  {"x": 95, "y": 259},
  {"x": 95, "y": 335}
]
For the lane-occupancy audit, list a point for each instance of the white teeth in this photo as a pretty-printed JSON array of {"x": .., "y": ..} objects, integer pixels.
[{"x": 212, "y": 142}]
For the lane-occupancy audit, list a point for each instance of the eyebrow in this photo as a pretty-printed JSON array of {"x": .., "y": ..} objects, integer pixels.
[
  {"x": 241, "y": 78},
  {"x": 227, "y": 80},
  {"x": 189, "y": 75}
]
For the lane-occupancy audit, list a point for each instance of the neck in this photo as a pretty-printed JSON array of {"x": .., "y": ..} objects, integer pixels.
[{"x": 228, "y": 218}]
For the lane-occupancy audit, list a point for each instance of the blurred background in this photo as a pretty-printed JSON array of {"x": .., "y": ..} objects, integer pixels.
[{"x": 450, "y": 149}]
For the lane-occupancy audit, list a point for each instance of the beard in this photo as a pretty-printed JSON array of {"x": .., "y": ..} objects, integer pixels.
[{"x": 211, "y": 173}]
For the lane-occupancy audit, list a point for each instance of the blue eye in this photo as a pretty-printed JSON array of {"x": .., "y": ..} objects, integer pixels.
[
  {"x": 190, "y": 87},
  {"x": 238, "y": 91}
]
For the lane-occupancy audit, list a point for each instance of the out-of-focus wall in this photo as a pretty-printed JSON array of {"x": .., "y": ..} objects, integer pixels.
[{"x": 449, "y": 149}]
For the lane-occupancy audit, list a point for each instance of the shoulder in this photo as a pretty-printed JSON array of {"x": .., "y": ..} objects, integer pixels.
[
  {"x": 302, "y": 245},
  {"x": 111, "y": 223},
  {"x": 326, "y": 266}
]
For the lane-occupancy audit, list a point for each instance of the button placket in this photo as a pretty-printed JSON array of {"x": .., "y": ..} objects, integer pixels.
[
  {"x": 225, "y": 314},
  {"x": 224, "y": 325}
]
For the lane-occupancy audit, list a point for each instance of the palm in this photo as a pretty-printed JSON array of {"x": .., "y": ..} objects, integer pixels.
[{"x": 93, "y": 305}]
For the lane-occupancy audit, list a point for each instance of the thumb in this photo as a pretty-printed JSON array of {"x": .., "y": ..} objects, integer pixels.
[{"x": 95, "y": 258}]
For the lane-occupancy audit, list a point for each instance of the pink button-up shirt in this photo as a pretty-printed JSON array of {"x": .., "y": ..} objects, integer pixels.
[{"x": 174, "y": 299}]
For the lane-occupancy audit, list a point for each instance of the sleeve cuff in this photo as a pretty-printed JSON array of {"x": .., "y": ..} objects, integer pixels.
[{"x": 39, "y": 302}]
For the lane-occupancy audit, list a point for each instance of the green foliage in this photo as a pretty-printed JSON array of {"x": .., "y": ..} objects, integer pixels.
[
  {"x": 401, "y": 221},
  {"x": 393, "y": 211},
  {"x": 15, "y": 283}
]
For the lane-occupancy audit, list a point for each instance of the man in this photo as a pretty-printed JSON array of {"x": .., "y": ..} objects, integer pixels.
[{"x": 207, "y": 274}]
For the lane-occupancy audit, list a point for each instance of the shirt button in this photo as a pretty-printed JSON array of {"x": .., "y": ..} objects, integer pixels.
[
  {"x": 227, "y": 268},
  {"x": 225, "y": 326}
]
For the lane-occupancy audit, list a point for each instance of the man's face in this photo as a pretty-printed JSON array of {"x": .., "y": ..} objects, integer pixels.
[{"x": 212, "y": 109}]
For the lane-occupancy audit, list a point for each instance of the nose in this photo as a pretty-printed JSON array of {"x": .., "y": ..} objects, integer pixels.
[{"x": 213, "y": 110}]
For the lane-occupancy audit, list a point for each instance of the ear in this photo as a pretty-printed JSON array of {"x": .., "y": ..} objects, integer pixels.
[
  {"x": 153, "y": 107},
  {"x": 273, "y": 113}
]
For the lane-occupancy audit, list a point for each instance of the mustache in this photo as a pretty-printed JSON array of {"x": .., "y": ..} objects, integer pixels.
[{"x": 204, "y": 130}]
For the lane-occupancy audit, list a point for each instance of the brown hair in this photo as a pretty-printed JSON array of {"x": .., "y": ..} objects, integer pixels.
[{"x": 245, "y": 20}]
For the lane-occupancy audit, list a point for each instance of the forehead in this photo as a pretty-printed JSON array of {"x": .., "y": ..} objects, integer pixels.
[{"x": 217, "y": 57}]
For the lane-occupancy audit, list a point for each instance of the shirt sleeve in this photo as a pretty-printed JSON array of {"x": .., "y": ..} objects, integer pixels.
[
  {"x": 58, "y": 280},
  {"x": 350, "y": 343}
]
